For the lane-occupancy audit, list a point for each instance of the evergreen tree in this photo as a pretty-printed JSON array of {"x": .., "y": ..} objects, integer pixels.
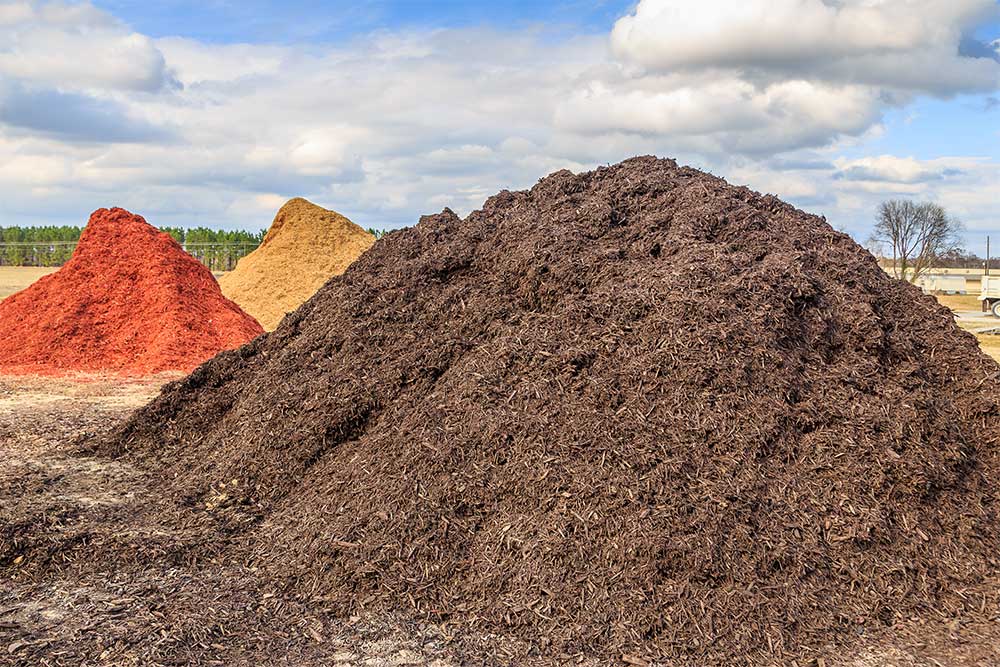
[{"x": 52, "y": 245}]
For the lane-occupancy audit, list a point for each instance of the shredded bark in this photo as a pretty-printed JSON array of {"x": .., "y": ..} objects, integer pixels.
[{"x": 635, "y": 412}]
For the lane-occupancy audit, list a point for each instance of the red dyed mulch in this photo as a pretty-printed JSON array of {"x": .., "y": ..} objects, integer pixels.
[{"x": 129, "y": 301}]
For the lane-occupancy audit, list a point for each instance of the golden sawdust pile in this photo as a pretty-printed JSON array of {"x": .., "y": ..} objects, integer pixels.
[{"x": 305, "y": 246}]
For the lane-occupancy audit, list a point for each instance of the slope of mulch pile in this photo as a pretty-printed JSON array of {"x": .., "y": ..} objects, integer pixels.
[
  {"x": 129, "y": 301},
  {"x": 305, "y": 246},
  {"x": 633, "y": 411}
]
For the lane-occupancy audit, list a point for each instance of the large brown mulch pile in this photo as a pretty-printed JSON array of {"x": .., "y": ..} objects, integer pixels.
[{"x": 633, "y": 411}]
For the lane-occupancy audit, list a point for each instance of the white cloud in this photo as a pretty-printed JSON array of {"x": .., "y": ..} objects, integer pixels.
[
  {"x": 261, "y": 208},
  {"x": 15, "y": 12},
  {"x": 724, "y": 114},
  {"x": 880, "y": 42},
  {"x": 76, "y": 46},
  {"x": 380, "y": 129},
  {"x": 890, "y": 169},
  {"x": 787, "y": 184},
  {"x": 32, "y": 170},
  {"x": 781, "y": 74},
  {"x": 965, "y": 186},
  {"x": 193, "y": 62},
  {"x": 72, "y": 116},
  {"x": 392, "y": 124}
]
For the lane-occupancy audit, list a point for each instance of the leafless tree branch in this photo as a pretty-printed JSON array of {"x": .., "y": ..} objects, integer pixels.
[{"x": 917, "y": 234}]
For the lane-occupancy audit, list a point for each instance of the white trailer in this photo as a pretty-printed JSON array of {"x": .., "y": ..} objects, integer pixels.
[
  {"x": 941, "y": 283},
  {"x": 989, "y": 294}
]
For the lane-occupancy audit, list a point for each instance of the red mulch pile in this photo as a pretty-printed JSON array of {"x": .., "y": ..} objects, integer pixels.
[
  {"x": 633, "y": 411},
  {"x": 130, "y": 301}
]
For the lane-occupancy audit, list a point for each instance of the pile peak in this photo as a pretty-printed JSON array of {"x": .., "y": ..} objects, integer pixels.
[
  {"x": 118, "y": 217},
  {"x": 635, "y": 411},
  {"x": 301, "y": 203},
  {"x": 129, "y": 301},
  {"x": 304, "y": 223},
  {"x": 305, "y": 246}
]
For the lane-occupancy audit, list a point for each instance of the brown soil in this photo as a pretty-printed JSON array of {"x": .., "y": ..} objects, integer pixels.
[
  {"x": 632, "y": 412},
  {"x": 305, "y": 246}
]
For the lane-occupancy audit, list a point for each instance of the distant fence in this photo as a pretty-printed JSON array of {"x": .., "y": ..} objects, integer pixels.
[
  {"x": 219, "y": 256},
  {"x": 216, "y": 256},
  {"x": 35, "y": 253}
]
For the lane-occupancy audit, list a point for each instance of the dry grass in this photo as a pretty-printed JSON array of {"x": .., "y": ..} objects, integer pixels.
[
  {"x": 16, "y": 278},
  {"x": 960, "y": 301},
  {"x": 988, "y": 343}
]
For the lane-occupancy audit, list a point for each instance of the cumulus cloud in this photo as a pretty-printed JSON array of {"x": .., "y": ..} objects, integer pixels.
[
  {"x": 76, "y": 46},
  {"x": 725, "y": 114},
  {"x": 14, "y": 12},
  {"x": 848, "y": 191},
  {"x": 892, "y": 169},
  {"x": 383, "y": 128},
  {"x": 388, "y": 125},
  {"x": 799, "y": 72},
  {"x": 73, "y": 117},
  {"x": 849, "y": 40}
]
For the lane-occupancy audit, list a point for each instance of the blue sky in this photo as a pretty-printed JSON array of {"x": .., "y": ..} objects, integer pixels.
[
  {"x": 293, "y": 21},
  {"x": 213, "y": 113},
  {"x": 931, "y": 127}
]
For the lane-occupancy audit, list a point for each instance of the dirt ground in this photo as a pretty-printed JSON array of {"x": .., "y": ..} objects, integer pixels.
[
  {"x": 972, "y": 318},
  {"x": 16, "y": 278},
  {"x": 67, "y": 596}
]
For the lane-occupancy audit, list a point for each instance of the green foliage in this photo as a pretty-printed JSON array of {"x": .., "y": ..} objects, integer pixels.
[
  {"x": 177, "y": 233},
  {"x": 219, "y": 250},
  {"x": 377, "y": 233},
  {"x": 37, "y": 246}
]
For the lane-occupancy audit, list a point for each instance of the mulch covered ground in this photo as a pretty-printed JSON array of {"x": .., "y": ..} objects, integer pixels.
[
  {"x": 96, "y": 570},
  {"x": 635, "y": 412}
]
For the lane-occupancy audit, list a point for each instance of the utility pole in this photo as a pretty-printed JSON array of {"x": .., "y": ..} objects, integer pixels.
[{"x": 987, "y": 255}]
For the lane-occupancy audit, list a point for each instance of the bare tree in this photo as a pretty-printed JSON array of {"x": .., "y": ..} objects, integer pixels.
[{"x": 917, "y": 235}]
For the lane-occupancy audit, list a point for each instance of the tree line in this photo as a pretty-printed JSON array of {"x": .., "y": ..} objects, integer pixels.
[
  {"x": 218, "y": 250},
  {"x": 53, "y": 245},
  {"x": 37, "y": 246}
]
